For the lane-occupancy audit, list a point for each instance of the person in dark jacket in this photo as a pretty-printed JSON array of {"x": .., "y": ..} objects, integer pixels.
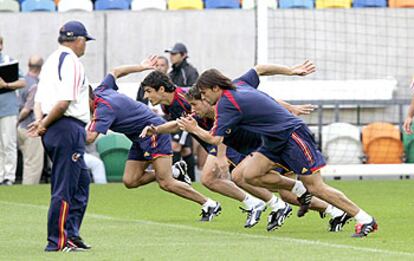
[{"x": 182, "y": 74}]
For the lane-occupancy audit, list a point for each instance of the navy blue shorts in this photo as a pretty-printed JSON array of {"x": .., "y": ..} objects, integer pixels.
[
  {"x": 151, "y": 147},
  {"x": 300, "y": 154},
  {"x": 235, "y": 158}
]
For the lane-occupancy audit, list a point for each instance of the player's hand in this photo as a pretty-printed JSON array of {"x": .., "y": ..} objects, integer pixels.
[
  {"x": 304, "y": 69},
  {"x": 148, "y": 131},
  {"x": 188, "y": 124},
  {"x": 150, "y": 62},
  {"x": 222, "y": 164},
  {"x": 407, "y": 125},
  {"x": 3, "y": 84},
  {"x": 304, "y": 109}
]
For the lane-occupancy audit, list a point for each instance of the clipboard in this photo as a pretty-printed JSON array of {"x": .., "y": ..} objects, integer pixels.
[{"x": 9, "y": 72}]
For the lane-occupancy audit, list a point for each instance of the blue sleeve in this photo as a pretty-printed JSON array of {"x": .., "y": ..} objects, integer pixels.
[
  {"x": 227, "y": 117},
  {"x": 103, "y": 118},
  {"x": 109, "y": 82},
  {"x": 250, "y": 78}
]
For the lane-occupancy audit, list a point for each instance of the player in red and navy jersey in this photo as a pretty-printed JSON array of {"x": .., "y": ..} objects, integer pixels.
[
  {"x": 119, "y": 113},
  {"x": 172, "y": 101},
  {"x": 242, "y": 143},
  {"x": 286, "y": 138}
]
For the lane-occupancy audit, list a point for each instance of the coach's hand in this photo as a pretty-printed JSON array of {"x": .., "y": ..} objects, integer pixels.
[
  {"x": 148, "y": 131},
  {"x": 36, "y": 129},
  {"x": 304, "y": 69},
  {"x": 188, "y": 124},
  {"x": 407, "y": 125},
  {"x": 304, "y": 109}
]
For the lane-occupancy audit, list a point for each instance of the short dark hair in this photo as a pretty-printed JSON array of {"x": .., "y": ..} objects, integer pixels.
[
  {"x": 64, "y": 38},
  {"x": 157, "y": 79},
  {"x": 213, "y": 77},
  {"x": 193, "y": 94}
]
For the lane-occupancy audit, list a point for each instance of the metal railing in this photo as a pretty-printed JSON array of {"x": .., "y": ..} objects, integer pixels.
[{"x": 358, "y": 106}]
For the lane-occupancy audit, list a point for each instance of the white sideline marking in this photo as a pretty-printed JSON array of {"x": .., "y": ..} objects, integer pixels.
[{"x": 283, "y": 239}]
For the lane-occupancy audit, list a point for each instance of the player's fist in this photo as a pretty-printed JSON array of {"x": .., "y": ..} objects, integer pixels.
[{"x": 148, "y": 131}]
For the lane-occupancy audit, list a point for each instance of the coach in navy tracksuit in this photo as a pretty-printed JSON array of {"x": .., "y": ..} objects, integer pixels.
[{"x": 62, "y": 110}]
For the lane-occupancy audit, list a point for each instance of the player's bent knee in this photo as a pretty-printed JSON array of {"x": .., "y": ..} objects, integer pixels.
[
  {"x": 251, "y": 178},
  {"x": 166, "y": 184},
  {"x": 129, "y": 183},
  {"x": 237, "y": 177},
  {"x": 207, "y": 180}
]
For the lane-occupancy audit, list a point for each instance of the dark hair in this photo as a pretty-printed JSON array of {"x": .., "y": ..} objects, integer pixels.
[
  {"x": 157, "y": 79},
  {"x": 211, "y": 78},
  {"x": 64, "y": 38},
  {"x": 193, "y": 94}
]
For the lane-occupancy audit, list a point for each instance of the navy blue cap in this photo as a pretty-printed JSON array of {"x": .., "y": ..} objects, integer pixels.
[
  {"x": 74, "y": 29},
  {"x": 177, "y": 48}
]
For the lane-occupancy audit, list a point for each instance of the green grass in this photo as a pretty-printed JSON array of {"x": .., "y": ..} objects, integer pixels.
[{"x": 149, "y": 224}]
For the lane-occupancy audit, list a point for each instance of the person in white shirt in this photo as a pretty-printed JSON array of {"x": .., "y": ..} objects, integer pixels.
[{"x": 62, "y": 111}]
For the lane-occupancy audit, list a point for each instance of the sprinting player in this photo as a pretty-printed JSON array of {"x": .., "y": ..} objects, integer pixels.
[
  {"x": 160, "y": 90},
  {"x": 172, "y": 101},
  {"x": 115, "y": 111},
  {"x": 245, "y": 143},
  {"x": 286, "y": 140}
]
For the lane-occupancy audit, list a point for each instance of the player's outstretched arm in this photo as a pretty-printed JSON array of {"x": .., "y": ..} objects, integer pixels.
[
  {"x": 147, "y": 64},
  {"x": 169, "y": 127},
  {"x": 303, "y": 69},
  {"x": 303, "y": 109},
  {"x": 190, "y": 124}
]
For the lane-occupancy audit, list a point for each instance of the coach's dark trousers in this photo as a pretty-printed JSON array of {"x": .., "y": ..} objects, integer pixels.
[{"x": 64, "y": 142}]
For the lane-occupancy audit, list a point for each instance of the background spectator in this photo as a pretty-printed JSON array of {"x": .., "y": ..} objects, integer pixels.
[
  {"x": 182, "y": 74},
  {"x": 8, "y": 122},
  {"x": 95, "y": 164},
  {"x": 31, "y": 148}
]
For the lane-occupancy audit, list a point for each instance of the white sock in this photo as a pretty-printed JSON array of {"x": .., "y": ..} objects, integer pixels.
[
  {"x": 298, "y": 189},
  {"x": 209, "y": 203},
  {"x": 333, "y": 211},
  {"x": 276, "y": 203},
  {"x": 175, "y": 172},
  {"x": 250, "y": 201},
  {"x": 363, "y": 217}
]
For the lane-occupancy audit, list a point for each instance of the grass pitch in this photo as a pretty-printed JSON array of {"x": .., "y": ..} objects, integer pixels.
[{"x": 149, "y": 224}]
